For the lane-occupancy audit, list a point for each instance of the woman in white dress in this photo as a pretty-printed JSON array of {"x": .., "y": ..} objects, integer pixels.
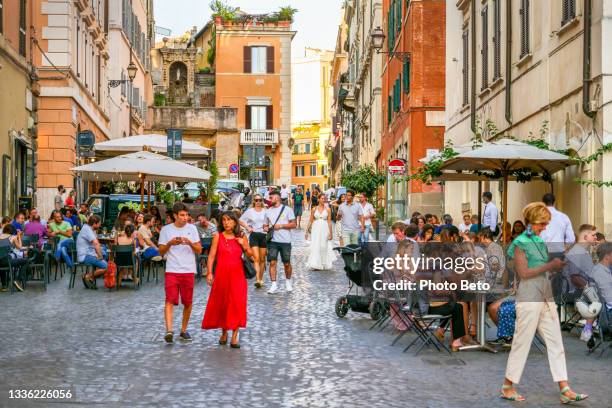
[
  {"x": 321, "y": 255},
  {"x": 253, "y": 220}
]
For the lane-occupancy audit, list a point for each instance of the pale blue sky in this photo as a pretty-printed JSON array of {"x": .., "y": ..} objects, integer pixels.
[{"x": 316, "y": 21}]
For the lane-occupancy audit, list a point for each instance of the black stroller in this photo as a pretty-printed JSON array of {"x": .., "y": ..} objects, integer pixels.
[{"x": 360, "y": 297}]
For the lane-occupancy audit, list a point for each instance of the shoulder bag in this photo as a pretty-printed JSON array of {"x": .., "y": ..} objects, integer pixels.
[{"x": 270, "y": 233}]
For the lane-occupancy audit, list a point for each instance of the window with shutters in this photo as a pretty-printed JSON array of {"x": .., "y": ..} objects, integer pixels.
[
  {"x": 524, "y": 12},
  {"x": 398, "y": 24},
  {"x": 1, "y": 16},
  {"x": 123, "y": 84},
  {"x": 259, "y": 60},
  {"x": 307, "y": 148},
  {"x": 313, "y": 169},
  {"x": 299, "y": 171},
  {"x": 568, "y": 12},
  {"x": 466, "y": 67},
  {"x": 496, "y": 39},
  {"x": 259, "y": 117},
  {"x": 485, "y": 46},
  {"x": 406, "y": 77},
  {"x": 22, "y": 27}
]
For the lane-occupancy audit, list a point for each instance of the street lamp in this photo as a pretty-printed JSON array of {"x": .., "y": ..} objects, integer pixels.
[
  {"x": 132, "y": 70},
  {"x": 378, "y": 39}
]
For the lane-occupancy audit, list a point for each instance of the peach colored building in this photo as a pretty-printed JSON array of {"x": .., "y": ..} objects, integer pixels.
[
  {"x": 71, "y": 65},
  {"x": 253, "y": 75},
  {"x": 17, "y": 105}
]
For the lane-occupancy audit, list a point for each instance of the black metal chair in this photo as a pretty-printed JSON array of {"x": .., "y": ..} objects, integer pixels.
[
  {"x": 37, "y": 267},
  {"x": 124, "y": 257},
  {"x": 72, "y": 251},
  {"x": 5, "y": 265}
]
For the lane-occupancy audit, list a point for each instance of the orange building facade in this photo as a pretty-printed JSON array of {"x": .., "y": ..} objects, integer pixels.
[
  {"x": 413, "y": 89},
  {"x": 71, "y": 65},
  {"x": 253, "y": 75}
]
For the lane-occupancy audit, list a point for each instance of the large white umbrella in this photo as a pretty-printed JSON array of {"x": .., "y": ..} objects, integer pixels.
[
  {"x": 140, "y": 166},
  {"x": 507, "y": 156},
  {"x": 152, "y": 142}
]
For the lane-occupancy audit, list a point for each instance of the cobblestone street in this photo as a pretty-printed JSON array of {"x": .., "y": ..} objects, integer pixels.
[{"x": 108, "y": 348}]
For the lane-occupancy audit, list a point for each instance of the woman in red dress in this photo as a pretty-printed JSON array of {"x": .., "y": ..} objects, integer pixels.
[{"x": 227, "y": 303}]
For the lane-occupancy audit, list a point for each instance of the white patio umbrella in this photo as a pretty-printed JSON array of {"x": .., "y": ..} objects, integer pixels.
[
  {"x": 153, "y": 142},
  {"x": 507, "y": 155},
  {"x": 140, "y": 166}
]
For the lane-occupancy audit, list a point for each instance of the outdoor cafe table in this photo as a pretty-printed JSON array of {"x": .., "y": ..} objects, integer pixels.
[{"x": 481, "y": 298}]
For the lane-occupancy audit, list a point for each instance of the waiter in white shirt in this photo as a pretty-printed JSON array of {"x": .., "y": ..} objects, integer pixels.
[
  {"x": 490, "y": 213},
  {"x": 559, "y": 234}
]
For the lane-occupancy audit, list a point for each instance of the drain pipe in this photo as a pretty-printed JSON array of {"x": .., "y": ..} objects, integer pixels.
[
  {"x": 509, "y": 61},
  {"x": 473, "y": 67},
  {"x": 586, "y": 61}
]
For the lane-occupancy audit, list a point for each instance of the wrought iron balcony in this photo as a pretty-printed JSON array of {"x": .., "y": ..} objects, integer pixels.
[{"x": 258, "y": 137}]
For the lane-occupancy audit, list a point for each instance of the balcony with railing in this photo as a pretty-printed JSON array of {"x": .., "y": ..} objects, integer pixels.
[{"x": 258, "y": 137}]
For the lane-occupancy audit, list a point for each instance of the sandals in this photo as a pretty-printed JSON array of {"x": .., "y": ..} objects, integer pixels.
[
  {"x": 222, "y": 341},
  {"x": 566, "y": 400},
  {"x": 515, "y": 396}
]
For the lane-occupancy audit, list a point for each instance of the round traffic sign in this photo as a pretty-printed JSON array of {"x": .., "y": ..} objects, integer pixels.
[
  {"x": 233, "y": 168},
  {"x": 397, "y": 166}
]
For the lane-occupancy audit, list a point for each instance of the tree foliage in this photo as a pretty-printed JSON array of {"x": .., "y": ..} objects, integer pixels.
[{"x": 364, "y": 179}]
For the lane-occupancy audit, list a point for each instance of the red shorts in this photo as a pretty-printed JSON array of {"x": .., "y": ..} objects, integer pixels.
[{"x": 179, "y": 283}]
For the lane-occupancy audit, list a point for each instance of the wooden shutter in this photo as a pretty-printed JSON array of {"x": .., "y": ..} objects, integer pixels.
[
  {"x": 1, "y": 16},
  {"x": 524, "y": 12},
  {"x": 485, "y": 47},
  {"x": 247, "y": 117},
  {"x": 497, "y": 39},
  {"x": 407, "y": 76},
  {"x": 247, "y": 59},
  {"x": 388, "y": 110},
  {"x": 466, "y": 67},
  {"x": 270, "y": 59},
  {"x": 269, "y": 117}
]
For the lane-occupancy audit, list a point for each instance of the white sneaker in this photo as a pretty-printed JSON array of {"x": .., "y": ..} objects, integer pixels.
[
  {"x": 288, "y": 285},
  {"x": 273, "y": 288}
]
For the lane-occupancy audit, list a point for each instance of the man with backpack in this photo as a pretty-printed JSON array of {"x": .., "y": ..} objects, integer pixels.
[{"x": 279, "y": 222}]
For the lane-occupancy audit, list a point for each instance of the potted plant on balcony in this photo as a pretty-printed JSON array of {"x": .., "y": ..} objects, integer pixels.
[
  {"x": 285, "y": 16},
  {"x": 222, "y": 12}
]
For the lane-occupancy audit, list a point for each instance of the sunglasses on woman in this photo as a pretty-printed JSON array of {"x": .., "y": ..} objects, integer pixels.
[{"x": 258, "y": 200}]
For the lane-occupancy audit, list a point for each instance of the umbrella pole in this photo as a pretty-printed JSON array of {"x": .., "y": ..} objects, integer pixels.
[
  {"x": 142, "y": 178},
  {"x": 149, "y": 197},
  {"x": 479, "y": 205},
  {"x": 505, "y": 207}
]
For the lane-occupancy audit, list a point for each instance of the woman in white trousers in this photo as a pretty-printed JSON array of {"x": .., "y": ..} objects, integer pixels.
[{"x": 535, "y": 307}]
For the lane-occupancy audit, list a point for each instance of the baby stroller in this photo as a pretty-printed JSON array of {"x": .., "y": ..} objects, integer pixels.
[{"x": 360, "y": 296}]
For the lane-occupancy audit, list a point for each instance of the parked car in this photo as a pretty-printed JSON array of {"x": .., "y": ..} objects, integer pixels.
[{"x": 107, "y": 206}]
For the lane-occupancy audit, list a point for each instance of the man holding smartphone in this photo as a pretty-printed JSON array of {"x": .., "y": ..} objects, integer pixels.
[{"x": 179, "y": 243}]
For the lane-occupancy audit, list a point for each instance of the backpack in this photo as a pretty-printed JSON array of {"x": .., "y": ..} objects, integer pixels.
[{"x": 110, "y": 280}]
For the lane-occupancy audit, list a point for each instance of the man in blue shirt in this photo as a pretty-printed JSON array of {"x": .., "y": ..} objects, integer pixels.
[
  {"x": 447, "y": 222},
  {"x": 18, "y": 222}
]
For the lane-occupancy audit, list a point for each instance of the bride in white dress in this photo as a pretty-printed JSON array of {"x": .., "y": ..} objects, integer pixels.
[{"x": 321, "y": 255}]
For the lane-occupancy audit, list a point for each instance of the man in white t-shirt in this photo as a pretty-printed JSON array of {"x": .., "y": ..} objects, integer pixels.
[
  {"x": 285, "y": 194},
  {"x": 366, "y": 214},
  {"x": 281, "y": 218},
  {"x": 559, "y": 234},
  {"x": 179, "y": 243}
]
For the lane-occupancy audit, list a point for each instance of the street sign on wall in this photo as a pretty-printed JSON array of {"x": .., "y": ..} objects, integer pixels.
[
  {"x": 397, "y": 167},
  {"x": 233, "y": 168},
  {"x": 85, "y": 143},
  {"x": 175, "y": 143}
]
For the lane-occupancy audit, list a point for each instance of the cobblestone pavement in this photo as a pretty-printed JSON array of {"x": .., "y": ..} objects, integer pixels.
[{"x": 108, "y": 349}]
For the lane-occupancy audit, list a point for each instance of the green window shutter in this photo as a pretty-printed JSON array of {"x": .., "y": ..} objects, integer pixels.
[
  {"x": 399, "y": 16},
  {"x": 389, "y": 109},
  {"x": 389, "y": 29},
  {"x": 407, "y": 76}
]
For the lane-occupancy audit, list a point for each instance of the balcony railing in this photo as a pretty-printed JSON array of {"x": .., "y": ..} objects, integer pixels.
[{"x": 258, "y": 137}]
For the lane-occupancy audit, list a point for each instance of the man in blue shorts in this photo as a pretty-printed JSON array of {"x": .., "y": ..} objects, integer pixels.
[{"x": 89, "y": 251}]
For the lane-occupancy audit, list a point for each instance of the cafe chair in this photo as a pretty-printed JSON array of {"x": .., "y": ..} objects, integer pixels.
[
  {"x": 124, "y": 257},
  {"x": 72, "y": 251},
  {"x": 5, "y": 265}
]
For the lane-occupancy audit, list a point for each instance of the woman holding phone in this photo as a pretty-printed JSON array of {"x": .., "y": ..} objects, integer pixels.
[{"x": 535, "y": 306}]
